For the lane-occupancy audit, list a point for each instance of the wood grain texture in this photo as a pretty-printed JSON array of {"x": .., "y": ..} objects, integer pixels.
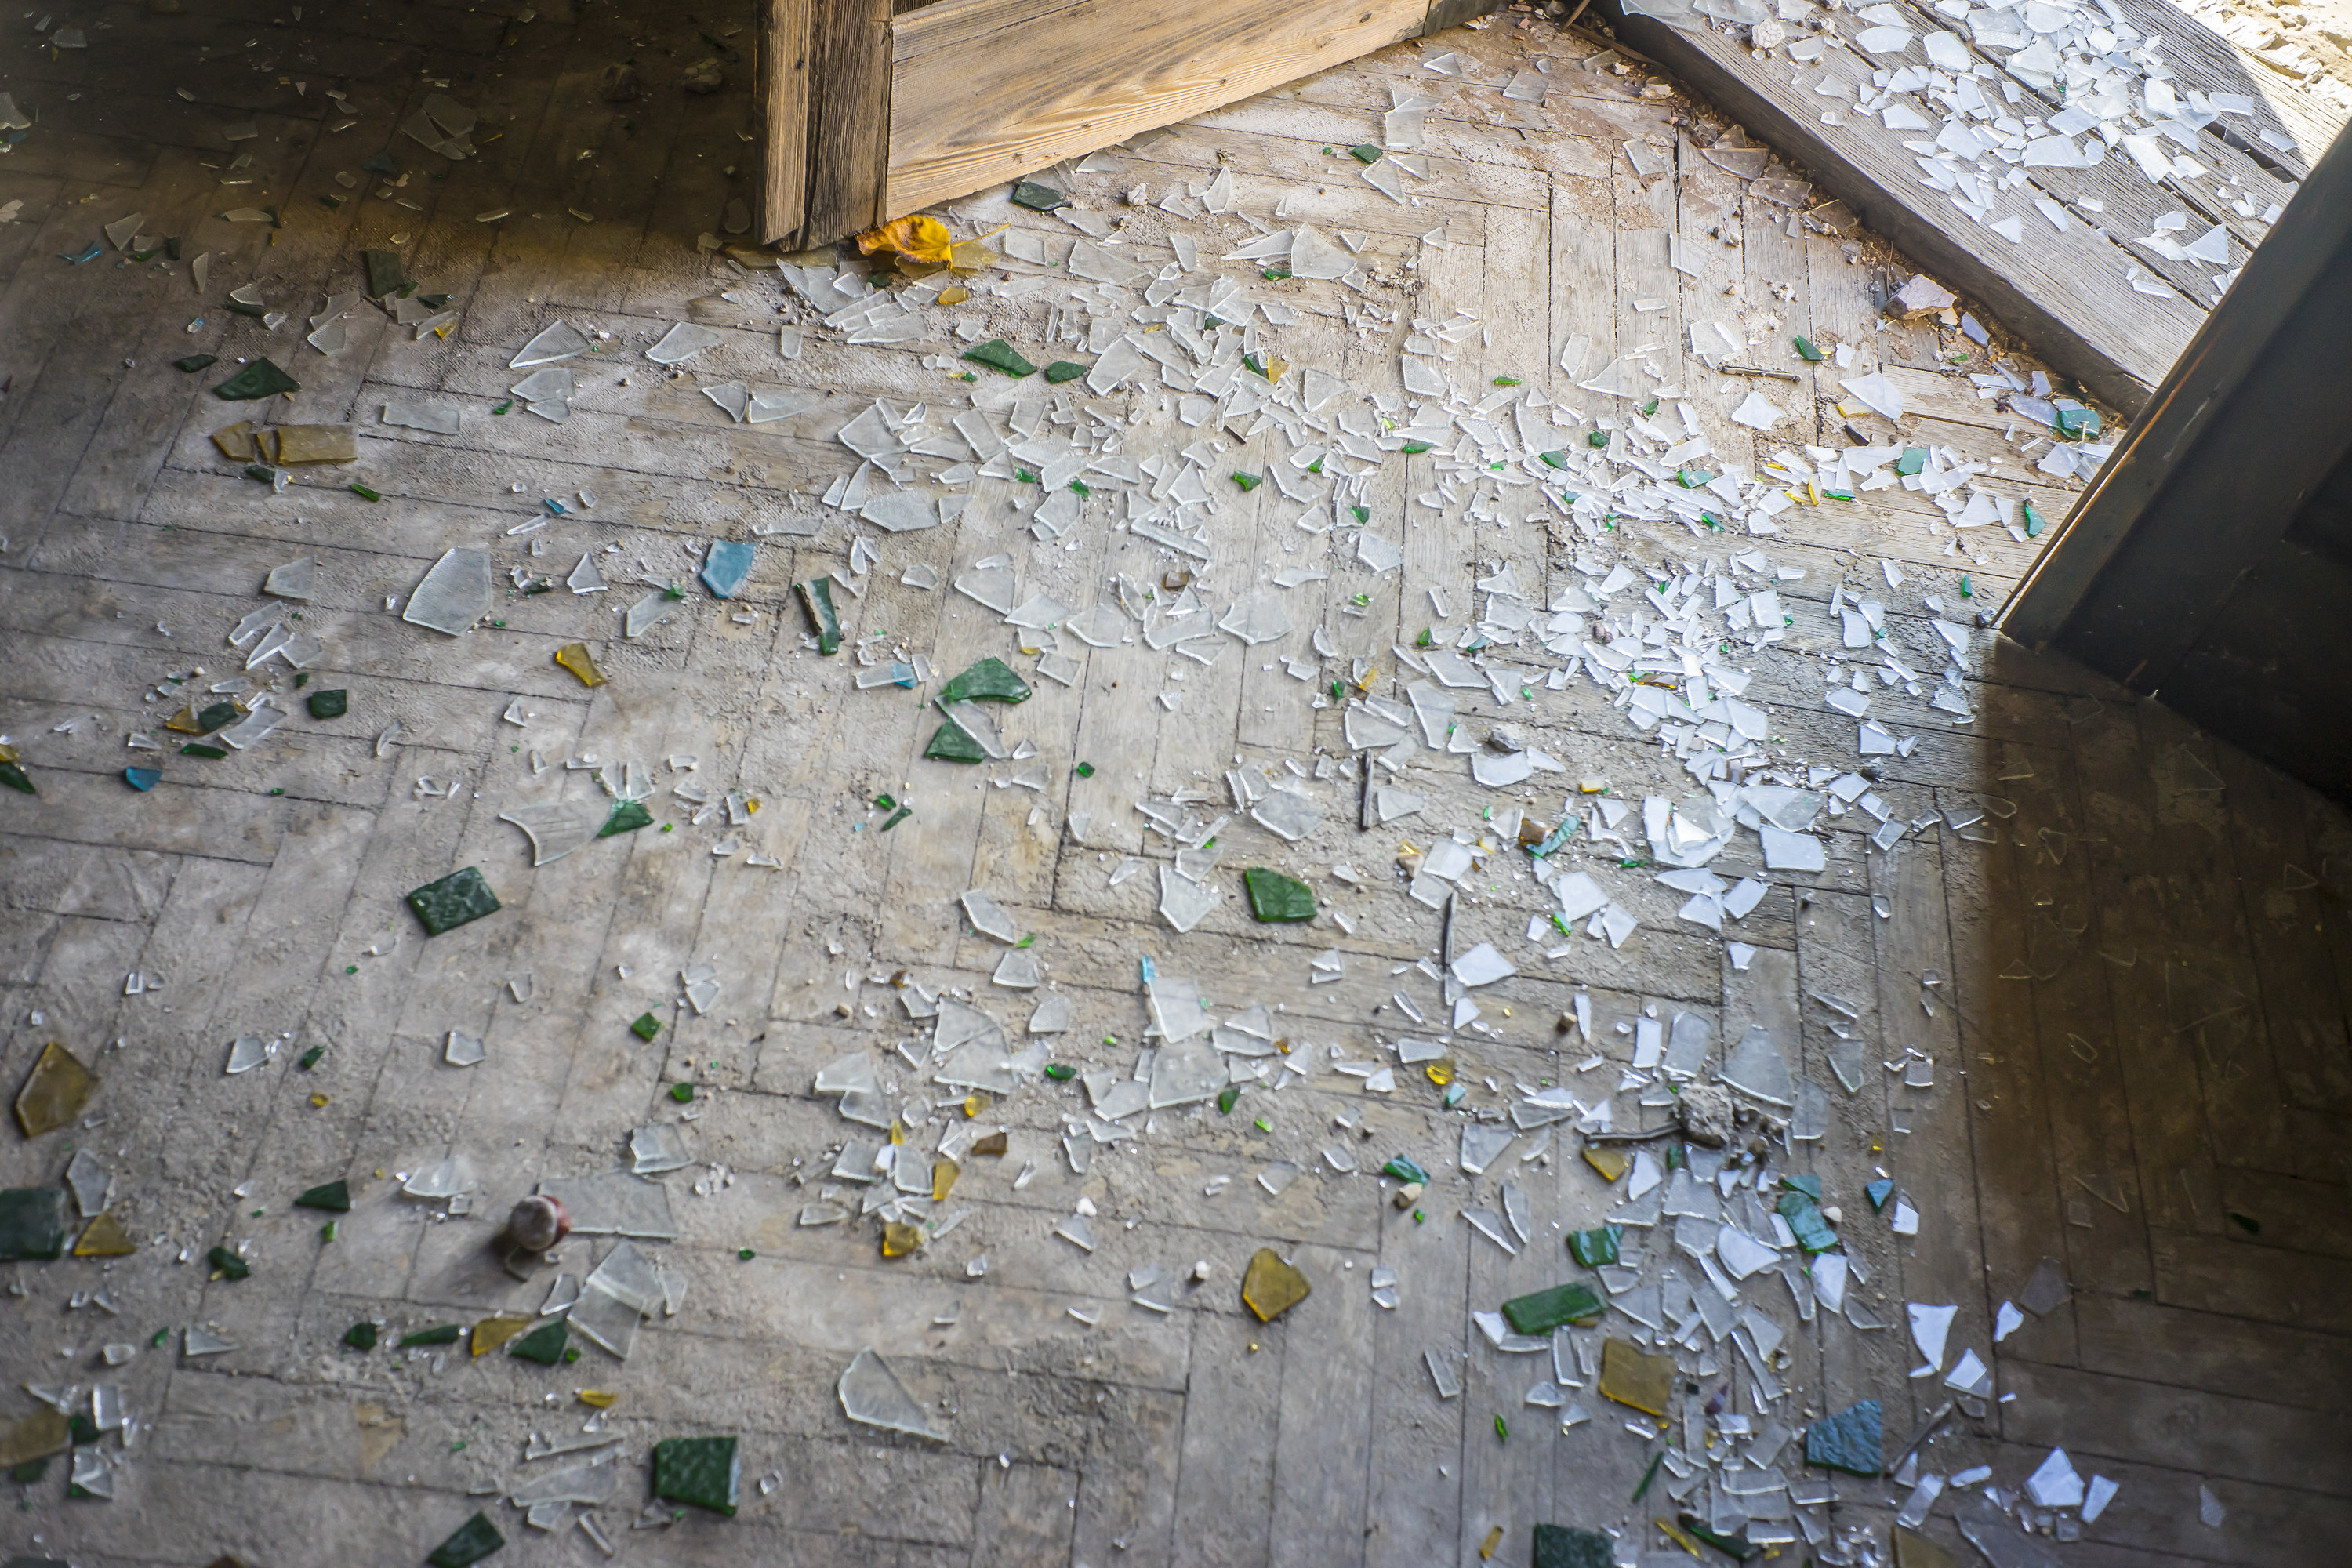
[
  {"x": 780, "y": 93},
  {"x": 986, "y": 90},
  {"x": 849, "y": 118},
  {"x": 2063, "y": 291}
]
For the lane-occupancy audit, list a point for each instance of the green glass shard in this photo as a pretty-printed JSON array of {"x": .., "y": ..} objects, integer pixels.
[
  {"x": 16, "y": 778},
  {"x": 1227, "y": 1098},
  {"x": 816, "y": 601},
  {"x": 950, "y": 743},
  {"x": 1804, "y": 1217},
  {"x": 32, "y": 1223},
  {"x": 1362, "y": 513},
  {"x": 198, "y": 749},
  {"x": 361, "y": 1336},
  {"x": 544, "y": 1344},
  {"x": 1807, "y": 351},
  {"x": 476, "y": 1539},
  {"x": 30, "y": 1471},
  {"x": 895, "y": 818},
  {"x": 1248, "y": 482},
  {"x": 260, "y": 379},
  {"x": 213, "y": 716},
  {"x": 1596, "y": 438},
  {"x": 702, "y": 1471},
  {"x": 1274, "y": 897},
  {"x": 1084, "y": 770},
  {"x": 384, "y": 272},
  {"x": 363, "y": 491},
  {"x": 682, "y": 1092},
  {"x": 1545, "y": 1311},
  {"x": 195, "y": 363},
  {"x": 646, "y": 1026},
  {"x": 1415, "y": 449},
  {"x": 1913, "y": 459},
  {"x": 1737, "y": 1548},
  {"x": 989, "y": 680},
  {"x": 329, "y": 704},
  {"x": 1063, "y": 370},
  {"x": 1364, "y": 153},
  {"x": 229, "y": 1264},
  {"x": 998, "y": 355},
  {"x": 1061, "y": 1072},
  {"x": 1556, "y": 459},
  {"x": 84, "y": 1431},
  {"x": 1878, "y": 1192},
  {"x": 2035, "y": 521},
  {"x": 455, "y": 899},
  {"x": 1566, "y": 1546},
  {"x": 1036, "y": 197},
  {"x": 1404, "y": 1169},
  {"x": 1595, "y": 1248},
  {"x": 2078, "y": 424},
  {"x": 1850, "y": 1440},
  {"x": 334, "y": 1197},
  {"x": 1649, "y": 408},
  {"x": 440, "y": 1334},
  {"x": 627, "y": 817},
  {"x": 1809, "y": 1185}
]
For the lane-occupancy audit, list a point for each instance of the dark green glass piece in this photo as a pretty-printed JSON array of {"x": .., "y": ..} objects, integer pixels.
[
  {"x": 1405, "y": 1169},
  {"x": 1415, "y": 449},
  {"x": 1274, "y": 897},
  {"x": 456, "y": 898},
  {"x": 951, "y": 743},
  {"x": 213, "y": 716},
  {"x": 702, "y": 1471},
  {"x": 627, "y": 817},
  {"x": 1740, "y": 1548},
  {"x": 989, "y": 681},
  {"x": 230, "y": 1265},
  {"x": 1596, "y": 1246},
  {"x": 1556, "y": 459},
  {"x": 361, "y": 1336},
  {"x": 1566, "y": 1546},
  {"x": 440, "y": 1334},
  {"x": 329, "y": 704},
  {"x": 816, "y": 601},
  {"x": 1596, "y": 438},
  {"x": 31, "y": 1223},
  {"x": 1545, "y": 1311},
  {"x": 198, "y": 749},
  {"x": 476, "y": 1539},
  {"x": 334, "y": 1197},
  {"x": 260, "y": 379},
  {"x": 544, "y": 1344},
  {"x": 1036, "y": 197},
  {"x": 1248, "y": 482},
  {"x": 1364, "y": 153},
  {"x": 1804, "y": 1217},
  {"x": 16, "y": 778},
  {"x": 1807, "y": 351},
  {"x": 195, "y": 363},
  {"x": 1063, "y": 370},
  {"x": 1850, "y": 1440},
  {"x": 384, "y": 272},
  {"x": 646, "y": 1026},
  {"x": 998, "y": 355}
]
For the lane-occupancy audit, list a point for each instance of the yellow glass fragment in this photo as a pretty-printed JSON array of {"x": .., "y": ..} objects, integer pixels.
[
  {"x": 492, "y": 1332},
  {"x": 105, "y": 1239},
  {"x": 943, "y": 1179},
  {"x": 576, "y": 657},
  {"x": 55, "y": 1091}
]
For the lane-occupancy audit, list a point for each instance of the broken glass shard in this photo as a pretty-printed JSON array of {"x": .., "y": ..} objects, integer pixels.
[
  {"x": 54, "y": 1093},
  {"x": 657, "y": 1147},
  {"x": 871, "y": 1394},
  {"x": 462, "y": 1049},
  {"x": 681, "y": 343},
  {"x": 454, "y": 595},
  {"x": 298, "y": 579},
  {"x": 454, "y": 901},
  {"x": 558, "y": 827},
  {"x": 1183, "y": 902},
  {"x": 1758, "y": 1068},
  {"x": 649, "y": 612},
  {"x": 725, "y": 568}
]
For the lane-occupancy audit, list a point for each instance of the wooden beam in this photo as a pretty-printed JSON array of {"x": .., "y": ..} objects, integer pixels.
[
  {"x": 988, "y": 90},
  {"x": 780, "y": 86},
  {"x": 849, "y": 98},
  {"x": 1444, "y": 14},
  {"x": 2065, "y": 294}
]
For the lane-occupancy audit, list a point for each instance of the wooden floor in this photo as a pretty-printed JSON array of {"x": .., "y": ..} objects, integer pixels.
[{"x": 2130, "y": 977}]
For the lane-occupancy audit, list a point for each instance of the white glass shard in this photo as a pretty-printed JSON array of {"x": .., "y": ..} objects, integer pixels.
[
  {"x": 462, "y": 1049},
  {"x": 1758, "y": 1068},
  {"x": 683, "y": 341},
  {"x": 558, "y": 827},
  {"x": 248, "y": 1052},
  {"x": 657, "y": 1147},
  {"x": 559, "y": 341},
  {"x": 872, "y": 1394},
  {"x": 454, "y": 595},
  {"x": 298, "y": 579}
]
